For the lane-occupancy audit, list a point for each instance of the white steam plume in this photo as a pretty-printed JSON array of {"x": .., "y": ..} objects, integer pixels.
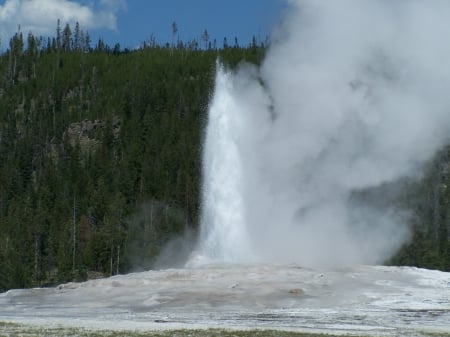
[{"x": 352, "y": 95}]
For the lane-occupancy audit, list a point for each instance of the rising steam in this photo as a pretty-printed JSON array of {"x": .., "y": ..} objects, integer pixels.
[{"x": 352, "y": 95}]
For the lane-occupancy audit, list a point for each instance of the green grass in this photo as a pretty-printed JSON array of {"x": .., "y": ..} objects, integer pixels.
[{"x": 19, "y": 330}]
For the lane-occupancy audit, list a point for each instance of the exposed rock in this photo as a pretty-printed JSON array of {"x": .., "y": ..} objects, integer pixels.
[
  {"x": 82, "y": 132},
  {"x": 296, "y": 291},
  {"x": 116, "y": 126}
]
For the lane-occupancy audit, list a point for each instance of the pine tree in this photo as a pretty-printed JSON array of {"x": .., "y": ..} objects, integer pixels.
[{"x": 67, "y": 38}]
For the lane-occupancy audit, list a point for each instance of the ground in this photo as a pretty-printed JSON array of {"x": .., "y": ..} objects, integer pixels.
[{"x": 238, "y": 300}]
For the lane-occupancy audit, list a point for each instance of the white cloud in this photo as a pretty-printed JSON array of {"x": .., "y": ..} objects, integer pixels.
[{"x": 40, "y": 16}]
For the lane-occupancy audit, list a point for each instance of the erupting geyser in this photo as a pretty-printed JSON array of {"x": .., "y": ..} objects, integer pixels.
[
  {"x": 223, "y": 204},
  {"x": 351, "y": 95}
]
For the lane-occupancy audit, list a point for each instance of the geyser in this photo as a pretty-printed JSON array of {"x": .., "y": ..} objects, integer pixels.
[{"x": 351, "y": 95}]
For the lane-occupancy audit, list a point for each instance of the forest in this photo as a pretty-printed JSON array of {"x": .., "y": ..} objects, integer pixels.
[{"x": 100, "y": 157}]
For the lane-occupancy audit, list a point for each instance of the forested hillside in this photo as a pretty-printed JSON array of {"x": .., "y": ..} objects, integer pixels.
[{"x": 100, "y": 157}]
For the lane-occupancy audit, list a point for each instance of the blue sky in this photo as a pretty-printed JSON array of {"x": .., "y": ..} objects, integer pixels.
[{"x": 130, "y": 22}]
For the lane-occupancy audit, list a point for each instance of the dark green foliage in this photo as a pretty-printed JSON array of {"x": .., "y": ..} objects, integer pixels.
[
  {"x": 428, "y": 200},
  {"x": 100, "y": 157},
  {"x": 91, "y": 141}
]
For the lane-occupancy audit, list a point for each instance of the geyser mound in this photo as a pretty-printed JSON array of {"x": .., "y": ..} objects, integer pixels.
[{"x": 351, "y": 96}]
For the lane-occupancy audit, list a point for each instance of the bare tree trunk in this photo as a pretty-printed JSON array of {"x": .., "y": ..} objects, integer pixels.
[
  {"x": 151, "y": 216},
  {"x": 54, "y": 118},
  {"x": 36, "y": 260},
  {"x": 118, "y": 259},
  {"x": 111, "y": 260},
  {"x": 74, "y": 236}
]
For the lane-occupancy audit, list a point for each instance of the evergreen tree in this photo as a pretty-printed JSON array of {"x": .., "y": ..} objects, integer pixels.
[{"x": 100, "y": 157}]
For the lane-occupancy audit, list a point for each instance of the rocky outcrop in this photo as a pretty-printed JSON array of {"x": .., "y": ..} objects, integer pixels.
[{"x": 86, "y": 133}]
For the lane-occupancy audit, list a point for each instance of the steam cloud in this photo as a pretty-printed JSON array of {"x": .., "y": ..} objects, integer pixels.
[{"x": 351, "y": 95}]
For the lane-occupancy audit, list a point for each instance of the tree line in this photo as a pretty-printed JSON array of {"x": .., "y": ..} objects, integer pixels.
[{"x": 100, "y": 152}]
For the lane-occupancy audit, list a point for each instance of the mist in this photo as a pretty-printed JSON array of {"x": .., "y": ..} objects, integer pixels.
[{"x": 352, "y": 95}]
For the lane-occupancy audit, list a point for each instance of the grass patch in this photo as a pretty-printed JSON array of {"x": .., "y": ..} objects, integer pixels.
[
  {"x": 22, "y": 330},
  {"x": 18, "y": 330},
  {"x": 8, "y": 324}
]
